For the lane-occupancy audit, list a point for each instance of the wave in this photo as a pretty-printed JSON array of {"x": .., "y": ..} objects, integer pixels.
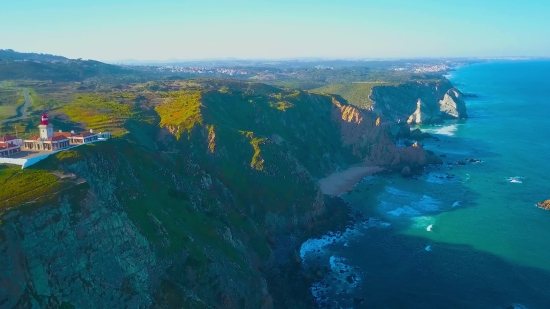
[
  {"x": 342, "y": 277},
  {"x": 515, "y": 179},
  {"x": 407, "y": 204},
  {"x": 317, "y": 245},
  {"x": 448, "y": 130}
]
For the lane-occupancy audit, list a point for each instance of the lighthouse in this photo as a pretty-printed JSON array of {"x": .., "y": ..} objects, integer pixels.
[{"x": 46, "y": 129}]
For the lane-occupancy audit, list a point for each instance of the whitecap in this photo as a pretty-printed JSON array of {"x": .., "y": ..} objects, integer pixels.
[
  {"x": 456, "y": 204},
  {"x": 428, "y": 248},
  {"x": 448, "y": 130},
  {"x": 516, "y": 179},
  {"x": 429, "y": 228}
]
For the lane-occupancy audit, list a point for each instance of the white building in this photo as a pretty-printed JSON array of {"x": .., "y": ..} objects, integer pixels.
[{"x": 48, "y": 140}]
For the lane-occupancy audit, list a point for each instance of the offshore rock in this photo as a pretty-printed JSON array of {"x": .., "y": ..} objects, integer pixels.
[{"x": 544, "y": 205}]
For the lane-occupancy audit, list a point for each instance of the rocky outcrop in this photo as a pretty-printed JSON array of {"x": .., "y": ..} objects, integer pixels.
[
  {"x": 196, "y": 221},
  {"x": 419, "y": 102},
  {"x": 369, "y": 137},
  {"x": 544, "y": 205}
]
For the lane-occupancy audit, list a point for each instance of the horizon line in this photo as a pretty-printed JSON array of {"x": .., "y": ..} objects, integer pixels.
[{"x": 130, "y": 61}]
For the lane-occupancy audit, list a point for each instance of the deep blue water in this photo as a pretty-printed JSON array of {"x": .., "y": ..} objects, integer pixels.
[{"x": 475, "y": 239}]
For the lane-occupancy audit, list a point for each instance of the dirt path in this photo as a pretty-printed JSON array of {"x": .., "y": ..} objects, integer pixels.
[{"x": 22, "y": 110}]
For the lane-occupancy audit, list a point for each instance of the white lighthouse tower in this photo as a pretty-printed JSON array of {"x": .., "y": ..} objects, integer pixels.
[{"x": 46, "y": 129}]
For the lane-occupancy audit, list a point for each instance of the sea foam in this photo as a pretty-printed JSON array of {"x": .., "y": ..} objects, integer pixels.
[
  {"x": 516, "y": 179},
  {"x": 317, "y": 245},
  {"x": 448, "y": 130}
]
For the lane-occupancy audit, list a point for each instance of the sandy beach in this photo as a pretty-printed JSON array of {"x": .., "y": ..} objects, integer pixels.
[{"x": 342, "y": 182}]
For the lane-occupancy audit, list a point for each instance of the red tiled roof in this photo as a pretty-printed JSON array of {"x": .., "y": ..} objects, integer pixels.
[
  {"x": 7, "y": 138},
  {"x": 85, "y": 134},
  {"x": 33, "y": 138},
  {"x": 66, "y": 134},
  {"x": 57, "y": 138}
]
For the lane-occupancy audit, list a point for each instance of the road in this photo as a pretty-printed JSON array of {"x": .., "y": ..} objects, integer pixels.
[{"x": 22, "y": 109}]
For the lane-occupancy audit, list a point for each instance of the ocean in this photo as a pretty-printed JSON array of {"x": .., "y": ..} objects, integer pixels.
[{"x": 458, "y": 236}]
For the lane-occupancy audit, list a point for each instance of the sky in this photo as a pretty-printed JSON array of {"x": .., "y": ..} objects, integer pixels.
[{"x": 113, "y": 30}]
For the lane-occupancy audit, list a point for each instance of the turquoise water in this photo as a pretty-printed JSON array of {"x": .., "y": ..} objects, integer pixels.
[{"x": 459, "y": 236}]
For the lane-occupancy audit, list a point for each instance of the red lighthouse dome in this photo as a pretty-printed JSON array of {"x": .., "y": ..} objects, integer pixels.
[{"x": 45, "y": 120}]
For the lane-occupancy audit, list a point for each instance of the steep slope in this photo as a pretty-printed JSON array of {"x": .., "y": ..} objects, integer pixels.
[
  {"x": 202, "y": 204},
  {"x": 419, "y": 102}
]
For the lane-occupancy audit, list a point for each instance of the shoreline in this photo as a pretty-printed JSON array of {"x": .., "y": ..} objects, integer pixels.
[{"x": 342, "y": 182}]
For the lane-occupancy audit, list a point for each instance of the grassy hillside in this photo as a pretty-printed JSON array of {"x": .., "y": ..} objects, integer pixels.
[
  {"x": 209, "y": 175},
  {"x": 357, "y": 93},
  {"x": 10, "y": 101}
]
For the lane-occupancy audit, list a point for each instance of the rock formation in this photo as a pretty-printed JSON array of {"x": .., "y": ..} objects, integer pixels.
[
  {"x": 544, "y": 205},
  {"x": 196, "y": 209},
  {"x": 419, "y": 102}
]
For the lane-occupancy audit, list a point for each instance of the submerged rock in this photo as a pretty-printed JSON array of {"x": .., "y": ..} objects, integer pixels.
[
  {"x": 406, "y": 171},
  {"x": 404, "y": 131},
  {"x": 417, "y": 134}
]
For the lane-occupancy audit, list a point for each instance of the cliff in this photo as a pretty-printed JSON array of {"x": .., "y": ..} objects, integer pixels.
[
  {"x": 417, "y": 102},
  {"x": 202, "y": 203}
]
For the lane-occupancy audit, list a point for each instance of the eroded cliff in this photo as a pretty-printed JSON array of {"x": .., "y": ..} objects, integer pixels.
[
  {"x": 200, "y": 205},
  {"x": 419, "y": 102}
]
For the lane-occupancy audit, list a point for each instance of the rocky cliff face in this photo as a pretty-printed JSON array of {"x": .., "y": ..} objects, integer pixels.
[
  {"x": 201, "y": 208},
  {"x": 419, "y": 102}
]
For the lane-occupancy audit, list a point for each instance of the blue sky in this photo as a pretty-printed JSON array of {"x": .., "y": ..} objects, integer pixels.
[{"x": 111, "y": 30}]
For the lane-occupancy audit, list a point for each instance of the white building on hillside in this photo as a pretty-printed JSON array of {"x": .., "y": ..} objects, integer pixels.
[{"x": 48, "y": 140}]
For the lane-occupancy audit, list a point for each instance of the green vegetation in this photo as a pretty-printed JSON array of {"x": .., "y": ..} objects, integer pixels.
[
  {"x": 19, "y": 186},
  {"x": 10, "y": 101},
  {"x": 281, "y": 105},
  {"x": 98, "y": 113},
  {"x": 357, "y": 94},
  {"x": 181, "y": 112},
  {"x": 257, "y": 161},
  {"x": 68, "y": 156}
]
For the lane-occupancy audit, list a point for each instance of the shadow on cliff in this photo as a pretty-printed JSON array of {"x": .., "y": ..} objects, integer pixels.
[{"x": 400, "y": 273}]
